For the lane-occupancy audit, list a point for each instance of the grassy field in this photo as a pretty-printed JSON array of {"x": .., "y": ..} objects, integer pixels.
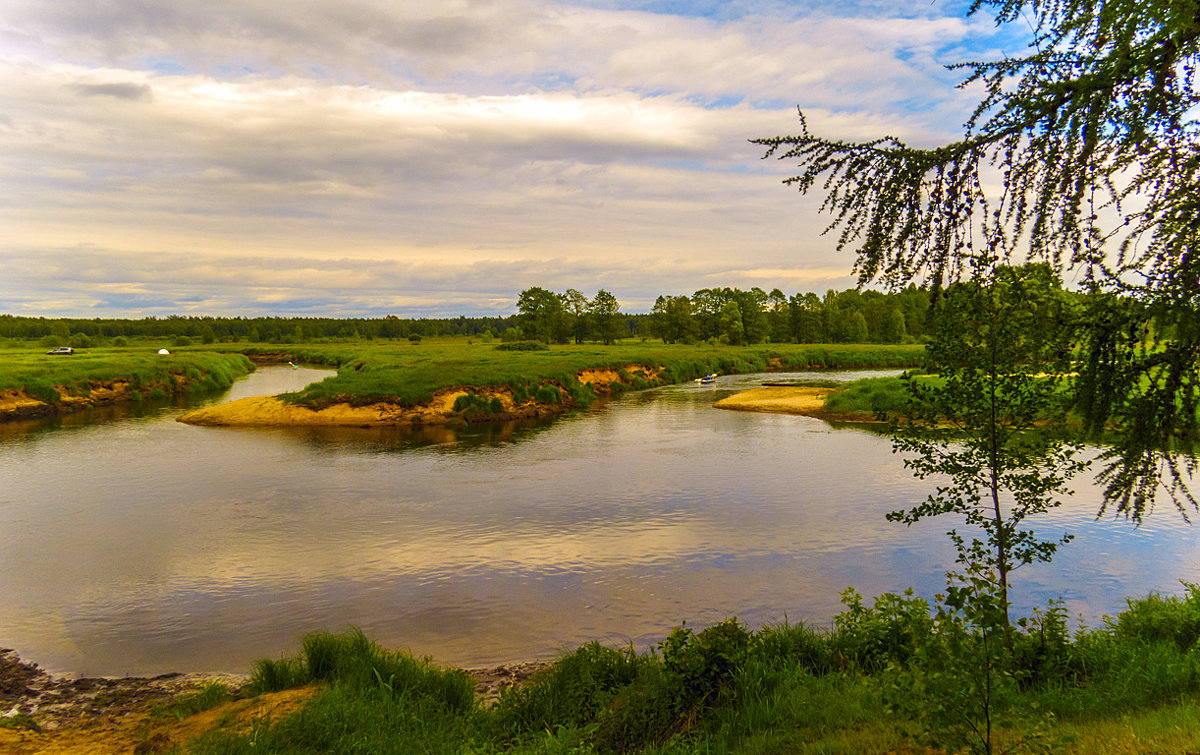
[
  {"x": 875, "y": 683},
  {"x": 48, "y": 378},
  {"x": 409, "y": 374}
]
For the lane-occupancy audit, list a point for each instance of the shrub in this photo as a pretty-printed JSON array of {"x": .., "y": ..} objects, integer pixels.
[
  {"x": 522, "y": 346},
  {"x": 889, "y": 631}
]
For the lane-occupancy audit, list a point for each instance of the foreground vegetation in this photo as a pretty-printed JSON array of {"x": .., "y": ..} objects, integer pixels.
[{"x": 888, "y": 677}]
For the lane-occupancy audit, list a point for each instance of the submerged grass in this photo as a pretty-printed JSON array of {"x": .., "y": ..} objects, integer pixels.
[{"x": 1131, "y": 685}]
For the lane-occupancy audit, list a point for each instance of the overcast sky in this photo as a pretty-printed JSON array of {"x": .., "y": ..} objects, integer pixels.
[{"x": 371, "y": 157}]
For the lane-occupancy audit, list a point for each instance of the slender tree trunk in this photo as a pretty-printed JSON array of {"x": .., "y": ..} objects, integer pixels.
[{"x": 1002, "y": 566}]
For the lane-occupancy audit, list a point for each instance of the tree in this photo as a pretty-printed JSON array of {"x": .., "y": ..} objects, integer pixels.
[
  {"x": 730, "y": 320},
  {"x": 605, "y": 312},
  {"x": 990, "y": 420},
  {"x": 673, "y": 319},
  {"x": 576, "y": 305},
  {"x": 1093, "y": 138},
  {"x": 778, "y": 317},
  {"x": 540, "y": 313}
]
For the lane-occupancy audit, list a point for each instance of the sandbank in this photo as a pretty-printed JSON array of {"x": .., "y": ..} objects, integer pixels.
[{"x": 804, "y": 400}]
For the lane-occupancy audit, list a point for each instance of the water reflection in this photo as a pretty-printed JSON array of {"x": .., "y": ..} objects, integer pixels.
[{"x": 146, "y": 546}]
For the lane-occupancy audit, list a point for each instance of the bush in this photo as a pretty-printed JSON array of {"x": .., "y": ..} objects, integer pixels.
[
  {"x": 522, "y": 346},
  {"x": 888, "y": 632}
]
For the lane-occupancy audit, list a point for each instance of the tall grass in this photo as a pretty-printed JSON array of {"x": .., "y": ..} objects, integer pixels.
[{"x": 782, "y": 688}]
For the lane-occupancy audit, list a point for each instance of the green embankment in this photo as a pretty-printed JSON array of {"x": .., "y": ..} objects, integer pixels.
[
  {"x": 106, "y": 375},
  {"x": 401, "y": 372},
  {"x": 410, "y": 374},
  {"x": 877, "y": 682}
]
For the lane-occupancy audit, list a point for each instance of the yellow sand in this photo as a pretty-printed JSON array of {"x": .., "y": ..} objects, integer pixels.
[
  {"x": 780, "y": 400},
  {"x": 270, "y": 411}
]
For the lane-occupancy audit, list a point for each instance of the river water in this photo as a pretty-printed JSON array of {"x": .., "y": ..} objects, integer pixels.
[{"x": 133, "y": 544}]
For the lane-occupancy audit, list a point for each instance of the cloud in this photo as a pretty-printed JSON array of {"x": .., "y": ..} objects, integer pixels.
[
  {"x": 121, "y": 91},
  {"x": 570, "y": 143}
]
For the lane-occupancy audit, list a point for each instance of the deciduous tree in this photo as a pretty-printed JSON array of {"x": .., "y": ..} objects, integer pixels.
[{"x": 1091, "y": 139}]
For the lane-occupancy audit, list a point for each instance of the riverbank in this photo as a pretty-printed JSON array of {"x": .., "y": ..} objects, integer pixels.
[
  {"x": 880, "y": 681},
  {"x": 778, "y": 400},
  {"x": 43, "y": 713},
  {"x": 394, "y": 383},
  {"x": 35, "y": 385}
]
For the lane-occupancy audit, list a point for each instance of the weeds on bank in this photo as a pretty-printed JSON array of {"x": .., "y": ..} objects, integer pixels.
[
  {"x": 869, "y": 684},
  {"x": 206, "y": 698}
]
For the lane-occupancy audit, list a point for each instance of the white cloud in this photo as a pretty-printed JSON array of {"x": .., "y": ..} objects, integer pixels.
[{"x": 538, "y": 142}]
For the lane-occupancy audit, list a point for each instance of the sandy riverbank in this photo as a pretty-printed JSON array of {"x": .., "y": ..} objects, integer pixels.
[
  {"x": 269, "y": 411},
  {"x": 803, "y": 400}
]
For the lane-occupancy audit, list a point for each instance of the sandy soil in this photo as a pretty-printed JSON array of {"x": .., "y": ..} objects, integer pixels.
[
  {"x": 780, "y": 400},
  {"x": 270, "y": 411},
  {"x": 41, "y": 714}
]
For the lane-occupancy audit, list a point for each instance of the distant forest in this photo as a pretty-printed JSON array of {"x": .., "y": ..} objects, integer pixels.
[{"x": 724, "y": 315}]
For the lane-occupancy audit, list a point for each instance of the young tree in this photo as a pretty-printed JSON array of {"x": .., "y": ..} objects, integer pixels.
[
  {"x": 988, "y": 420},
  {"x": 1093, "y": 138}
]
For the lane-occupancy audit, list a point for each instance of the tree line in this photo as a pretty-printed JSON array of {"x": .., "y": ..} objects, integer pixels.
[
  {"x": 728, "y": 316},
  {"x": 718, "y": 315}
]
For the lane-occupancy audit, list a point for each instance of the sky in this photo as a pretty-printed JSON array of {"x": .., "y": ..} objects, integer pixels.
[{"x": 430, "y": 159}]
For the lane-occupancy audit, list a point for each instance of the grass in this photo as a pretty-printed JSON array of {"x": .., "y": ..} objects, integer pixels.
[
  {"x": 410, "y": 374},
  {"x": 1131, "y": 685},
  {"x": 50, "y": 378},
  {"x": 206, "y": 698}
]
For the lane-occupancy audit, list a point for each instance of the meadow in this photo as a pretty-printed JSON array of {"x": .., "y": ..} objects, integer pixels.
[
  {"x": 51, "y": 378},
  {"x": 408, "y": 373}
]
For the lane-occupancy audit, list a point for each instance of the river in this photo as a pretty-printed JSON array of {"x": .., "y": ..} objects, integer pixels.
[{"x": 133, "y": 544}]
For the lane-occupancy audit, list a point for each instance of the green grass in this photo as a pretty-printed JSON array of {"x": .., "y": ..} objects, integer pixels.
[
  {"x": 206, "y": 698},
  {"x": 869, "y": 397},
  {"x": 48, "y": 378},
  {"x": 410, "y": 374},
  {"x": 1131, "y": 685}
]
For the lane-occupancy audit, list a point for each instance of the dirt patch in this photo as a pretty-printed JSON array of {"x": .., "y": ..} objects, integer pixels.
[
  {"x": 602, "y": 378},
  {"x": 41, "y": 713},
  {"x": 16, "y": 404},
  {"x": 779, "y": 400}
]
